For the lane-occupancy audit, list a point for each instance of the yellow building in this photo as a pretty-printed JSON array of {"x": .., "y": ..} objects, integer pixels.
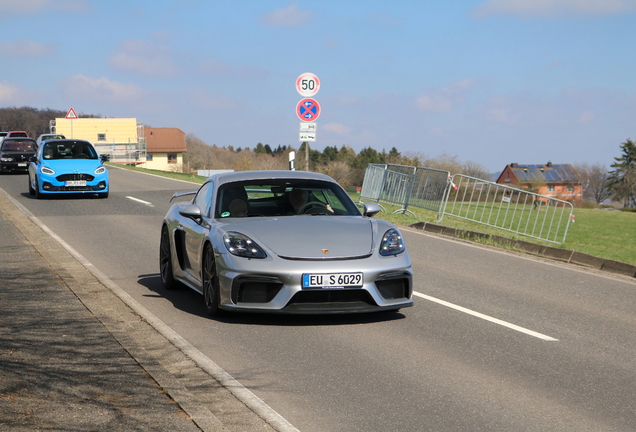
[
  {"x": 116, "y": 137},
  {"x": 99, "y": 130},
  {"x": 127, "y": 142}
]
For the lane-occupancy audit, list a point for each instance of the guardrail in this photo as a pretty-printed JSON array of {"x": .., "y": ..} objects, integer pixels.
[
  {"x": 404, "y": 185},
  {"x": 481, "y": 201},
  {"x": 507, "y": 208}
]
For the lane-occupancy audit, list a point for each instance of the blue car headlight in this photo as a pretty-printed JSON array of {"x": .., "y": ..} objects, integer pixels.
[
  {"x": 241, "y": 245},
  {"x": 392, "y": 243},
  {"x": 100, "y": 170},
  {"x": 47, "y": 170}
]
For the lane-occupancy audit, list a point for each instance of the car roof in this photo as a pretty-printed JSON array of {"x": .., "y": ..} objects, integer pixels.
[
  {"x": 236, "y": 176},
  {"x": 18, "y": 139},
  {"x": 69, "y": 141}
]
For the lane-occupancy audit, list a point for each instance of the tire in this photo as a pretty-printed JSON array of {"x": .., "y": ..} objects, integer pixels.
[
  {"x": 210, "y": 283},
  {"x": 31, "y": 190},
  {"x": 38, "y": 195},
  {"x": 165, "y": 261}
]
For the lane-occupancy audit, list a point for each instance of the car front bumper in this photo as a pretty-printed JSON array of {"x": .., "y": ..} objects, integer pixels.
[{"x": 387, "y": 285}]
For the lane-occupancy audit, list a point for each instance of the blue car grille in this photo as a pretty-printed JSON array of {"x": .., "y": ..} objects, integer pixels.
[{"x": 75, "y": 176}]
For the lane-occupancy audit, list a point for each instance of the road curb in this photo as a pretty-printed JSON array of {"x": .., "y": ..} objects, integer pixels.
[{"x": 555, "y": 253}]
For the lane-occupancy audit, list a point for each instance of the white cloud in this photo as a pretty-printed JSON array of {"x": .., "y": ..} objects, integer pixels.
[
  {"x": 28, "y": 7},
  {"x": 337, "y": 128},
  {"x": 26, "y": 48},
  {"x": 102, "y": 89},
  {"x": 8, "y": 93},
  {"x": 289, "y": 16},
  {"x": 144, "y": 58},
  {"x": 553, "y": 8},
  {"x": 443, "y": 100}
]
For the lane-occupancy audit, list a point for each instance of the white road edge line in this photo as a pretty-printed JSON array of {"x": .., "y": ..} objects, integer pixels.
[
  {"x": 487, "y": 318},
  {"x": 256, "y": 404},
  {"x": 149, "y": 204}
]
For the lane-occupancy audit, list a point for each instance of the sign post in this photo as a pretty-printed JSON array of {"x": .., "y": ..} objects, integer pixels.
[
  {"x": 307, "y": 110},
  {"x": 71, "y": 116}
]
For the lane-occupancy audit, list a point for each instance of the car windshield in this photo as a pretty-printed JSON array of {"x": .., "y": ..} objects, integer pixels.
[
  {"x": 52, "y": 137},
  {"x": 68, "y": 150},
  {"x": 285, "y": 197},
  {"x": 10, "y": 145}
]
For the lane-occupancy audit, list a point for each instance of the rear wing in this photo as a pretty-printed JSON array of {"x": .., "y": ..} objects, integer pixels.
[{"x": 183, "y": 193}]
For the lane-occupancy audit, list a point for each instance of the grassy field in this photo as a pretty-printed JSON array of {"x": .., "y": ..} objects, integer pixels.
[{"x": 609, "y": 234}]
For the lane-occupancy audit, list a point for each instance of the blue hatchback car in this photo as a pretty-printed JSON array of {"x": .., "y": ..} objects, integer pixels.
[{"x": 67, "y": 166}]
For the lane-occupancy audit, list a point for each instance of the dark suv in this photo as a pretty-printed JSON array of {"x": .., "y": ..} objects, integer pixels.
[{"x": 15, "y": 154}]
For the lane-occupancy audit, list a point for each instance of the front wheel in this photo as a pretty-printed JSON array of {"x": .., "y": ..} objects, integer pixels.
[
  {"x": 210, "y": 283},
  {"x": 165, "y": 261},
  {"x": 31, "y": 190},
  {"x": 36, "y": 191}
]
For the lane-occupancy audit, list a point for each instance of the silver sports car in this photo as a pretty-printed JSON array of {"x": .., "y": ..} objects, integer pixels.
[{"x": 286, "y": 242}]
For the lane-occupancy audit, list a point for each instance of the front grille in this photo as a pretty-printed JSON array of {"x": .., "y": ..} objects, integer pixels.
[
  {"x": 75, "y": 176},
  {"x": 332, "y": 296}
]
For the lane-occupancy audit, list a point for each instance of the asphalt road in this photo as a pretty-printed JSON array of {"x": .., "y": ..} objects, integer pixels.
[{"x": 496, "y": 341}]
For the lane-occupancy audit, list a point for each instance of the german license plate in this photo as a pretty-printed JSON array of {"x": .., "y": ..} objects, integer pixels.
[
  {"x": 22, "y": 164},
  {"x": 75, "y": 183},
  {"x": 332, "y": 280}
]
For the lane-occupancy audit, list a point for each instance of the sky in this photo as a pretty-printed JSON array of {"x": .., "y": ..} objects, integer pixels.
[{"x": 486, "y": 81}]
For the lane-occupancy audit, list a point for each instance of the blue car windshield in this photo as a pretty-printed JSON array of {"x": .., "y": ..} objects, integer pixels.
[{"x": 68, "y": 150}]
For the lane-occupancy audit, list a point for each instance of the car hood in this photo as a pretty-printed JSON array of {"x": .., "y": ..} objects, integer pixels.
[
  {"x": 61, "y": 166},
  {"x": 311, "y": 237}
]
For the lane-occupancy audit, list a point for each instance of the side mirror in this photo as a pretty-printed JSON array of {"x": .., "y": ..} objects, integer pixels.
[
  {"x": 370, "y": 209},
  {"x": 104, "y": 158},
  {"x": 191, "y": 211},
  {"x": 33, "y": 159}
]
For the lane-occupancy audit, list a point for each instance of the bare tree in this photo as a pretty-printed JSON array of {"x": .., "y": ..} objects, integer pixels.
[{"x": 594, "y": 180}]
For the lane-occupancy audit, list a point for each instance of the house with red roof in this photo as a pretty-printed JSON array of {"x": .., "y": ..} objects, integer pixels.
[
  {"x": 164, "y": 148},
  {"x": 559, "y": 181}
]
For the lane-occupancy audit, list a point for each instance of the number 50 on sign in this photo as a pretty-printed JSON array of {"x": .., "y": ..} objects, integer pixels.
[{"x": 307, "y": 84}]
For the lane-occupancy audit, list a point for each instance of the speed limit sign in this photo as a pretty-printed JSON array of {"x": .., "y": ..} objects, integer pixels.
[{"x": 307, "y": 84}]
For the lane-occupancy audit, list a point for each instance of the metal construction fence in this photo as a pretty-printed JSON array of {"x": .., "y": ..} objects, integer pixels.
[
  {"x": 404, "y": 186},
  {"x": 473, "y": 199},
  {"x": 507, "y": 208}
]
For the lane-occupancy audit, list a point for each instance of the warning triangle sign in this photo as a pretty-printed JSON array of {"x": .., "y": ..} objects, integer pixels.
[{"x": 71, "y": 114}]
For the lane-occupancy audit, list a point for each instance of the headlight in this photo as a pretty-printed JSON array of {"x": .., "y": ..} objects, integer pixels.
[
  {"x": 392, "y": 243},
  {"x": 241, "y": 245},
  {"x": 47, "y": 170},
  {"x": 6, "y": 159},
  {"x": 100, "y": 170}
]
